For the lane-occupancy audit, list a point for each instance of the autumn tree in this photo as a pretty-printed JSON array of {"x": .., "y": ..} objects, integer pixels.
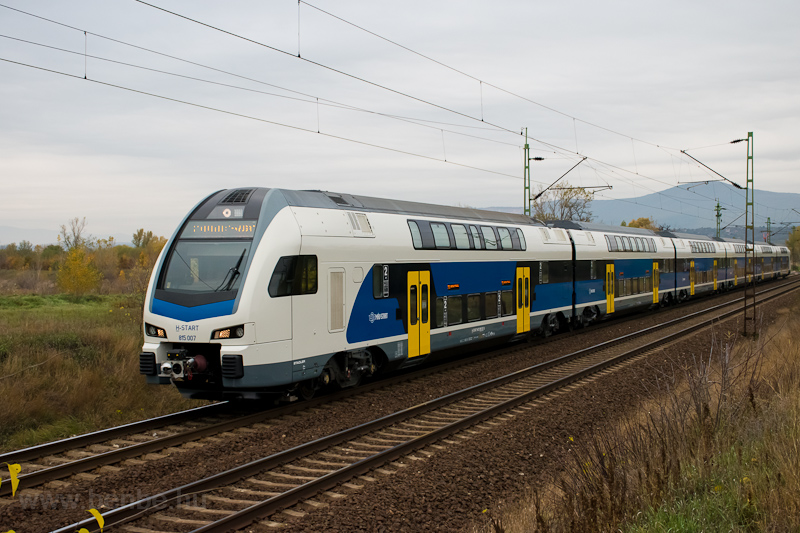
[
  {"x": 142, "y": 238},
  {"x": 793, "y": 243},
  {"x": 562, "y": 203},
  {"x": 643, "y": 222},
  {"x": 77, "y": 274},
  {"x": 73, "y": 234}
]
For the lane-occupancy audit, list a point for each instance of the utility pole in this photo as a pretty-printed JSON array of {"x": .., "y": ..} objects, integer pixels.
[
  {"x": 750, "y": 244},
  {"x": 769, "y": 231},
  {"x": 526, "y": 178},
  {"x": 719, "y": 209}
]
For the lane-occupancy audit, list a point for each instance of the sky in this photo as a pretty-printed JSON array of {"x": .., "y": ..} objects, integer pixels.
[{"x": 134, "y": 114}]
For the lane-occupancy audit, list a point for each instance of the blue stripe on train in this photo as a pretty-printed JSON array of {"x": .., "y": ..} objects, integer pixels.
[{"x": 188, "y": 314}]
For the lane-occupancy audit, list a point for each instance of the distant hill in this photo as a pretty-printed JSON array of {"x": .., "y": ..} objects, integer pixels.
[{"x": 692, "y": 210}]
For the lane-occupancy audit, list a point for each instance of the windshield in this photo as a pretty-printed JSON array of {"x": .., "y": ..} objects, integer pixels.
[{"x": 206, "y": 266}]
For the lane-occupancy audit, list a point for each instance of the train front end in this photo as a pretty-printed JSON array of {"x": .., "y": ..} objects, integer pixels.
[{"x": 205, "y": 329}]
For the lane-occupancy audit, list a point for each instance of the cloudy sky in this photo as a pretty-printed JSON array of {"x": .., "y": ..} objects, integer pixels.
[{"x": 141, "y": 113}]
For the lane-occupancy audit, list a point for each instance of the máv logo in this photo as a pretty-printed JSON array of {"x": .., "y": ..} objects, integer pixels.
[{"x": 377, "y": 316}]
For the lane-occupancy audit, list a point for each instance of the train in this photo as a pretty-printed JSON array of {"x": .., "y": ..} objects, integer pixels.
[{"x": 275, "y": 293}]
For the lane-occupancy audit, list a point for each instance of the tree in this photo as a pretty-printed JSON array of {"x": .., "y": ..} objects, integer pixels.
[
  {"x": 77, "y": 274},
  {"x": 563, "y": 203},
  {"x": 793, "y": 243},
  {"x": 141, "y": 238},
  {"x": 73, "y": 236},
  {"x": 644, "y": 222}
]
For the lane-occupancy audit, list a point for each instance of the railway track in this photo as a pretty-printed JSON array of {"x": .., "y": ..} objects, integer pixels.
[
  {"x": 102, "y": 449},
  {"x": 302, "y": 477}
]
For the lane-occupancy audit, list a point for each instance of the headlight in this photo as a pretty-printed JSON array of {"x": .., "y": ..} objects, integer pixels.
[
  {"x": 233, "y": 332},
  {"x": 154, "y": 331}
]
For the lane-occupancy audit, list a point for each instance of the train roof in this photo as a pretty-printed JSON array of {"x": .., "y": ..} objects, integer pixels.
[
  {"x": 690, "y": 236},
  {"x": 603, "y": 228},
  {"x": 353, "y": 202}
]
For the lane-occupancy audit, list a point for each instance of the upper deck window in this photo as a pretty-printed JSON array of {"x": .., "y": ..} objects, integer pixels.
[
  {"x": 505, "y": 239},
  {"x": 415, "y": 234},
  {"x": 460, "y": 234},
  {"x": 440, "y": 235}
]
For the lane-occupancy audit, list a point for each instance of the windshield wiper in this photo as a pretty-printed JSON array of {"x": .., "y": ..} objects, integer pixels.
[{"x": 233, "y": 272}]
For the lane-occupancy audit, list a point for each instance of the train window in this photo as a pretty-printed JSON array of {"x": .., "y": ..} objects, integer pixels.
[
  {"x": 294, "y": 275},
  {"x": 440, "y": 236},
  {"x": 415, "y": 234},
  {"x": 441, "y": 308},
  {"x": 424, "y": 303},
  {"x": 521, "y": 238},
  {"x": 473, "y": 307},
  {"x": 489, "y": 238},
  {"x": 477, "y": 240},
  {"x": 544, "y": 272},
  {"x": 642, "y": 246},
  {"x": 618, "y": 242},
  {"x": 455, "y": 313},
  {"x": 507, "y": 303},
  {"x": 412, "y": 300},
  {"x": 592, "y": 269},
  {"x": 460, "y": 234},
  {"x": 626, "y": 244},
  {"x": 505, "y": 239},
  {"x": 491, "y": 305},
  {"x": 380, "y": 281},
  {"x": 608, "y": 244}
]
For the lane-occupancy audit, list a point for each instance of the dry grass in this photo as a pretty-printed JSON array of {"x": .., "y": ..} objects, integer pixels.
[
  {"x": 716, "y": 449},
  {"x": 69, "y": 366}
]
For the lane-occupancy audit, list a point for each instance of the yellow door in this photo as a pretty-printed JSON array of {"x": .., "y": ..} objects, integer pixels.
[
  {"x": 691, "y": 278},
  {"x": 715, "y": 274},
  {"x": 523, "y": 299},
  {"x": 610, "y": 283},
  {"x": 419, "y": 323},
  {"x": 656, "y": 281}
]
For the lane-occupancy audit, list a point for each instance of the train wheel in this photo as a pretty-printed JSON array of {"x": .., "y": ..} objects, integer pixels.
[
  {"x": 550, "y": 325},
  {"x": 306, "y": 390}
]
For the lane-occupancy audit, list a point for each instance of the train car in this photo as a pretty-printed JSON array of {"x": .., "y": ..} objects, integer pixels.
[
  {"x": 632, "y": 261},
  {"x": 266, "y": 290},
  {"x": 272, "y": 292},
  {"x": 783, "y": 259}
]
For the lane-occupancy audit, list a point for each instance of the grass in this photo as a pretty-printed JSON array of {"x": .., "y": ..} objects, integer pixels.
[
  {"x": 717, "y": 448},
  {"x": 69, "y": 366}
]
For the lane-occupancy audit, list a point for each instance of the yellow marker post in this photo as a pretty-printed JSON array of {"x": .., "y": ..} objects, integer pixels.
[
  {"x": 97, "y": 516},
  {"x": 13, "y": 472}
]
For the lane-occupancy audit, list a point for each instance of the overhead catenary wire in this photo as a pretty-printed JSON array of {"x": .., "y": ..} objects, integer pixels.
[
  {"x": 309, "y": 99},
  {"x": 481, "y": 81},
  {"x": 556, "y": 147},
  {"x": 495, "y": 127},
  {"x": 241, "y": 115}
]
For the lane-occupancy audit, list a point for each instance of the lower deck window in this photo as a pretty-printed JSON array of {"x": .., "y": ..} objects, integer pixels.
[
  {"x": 491, "y": 304},
  {"x": 473, "y": 307},
  {"x": 455, "y": 314},
  {"x": 507, "y": 303}
]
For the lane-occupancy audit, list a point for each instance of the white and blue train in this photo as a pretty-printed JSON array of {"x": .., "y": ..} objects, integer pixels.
[{"x": 270, "y": 291}]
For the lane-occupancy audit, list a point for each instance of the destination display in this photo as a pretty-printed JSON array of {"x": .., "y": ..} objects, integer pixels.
[{"x": 203, "y": 229}]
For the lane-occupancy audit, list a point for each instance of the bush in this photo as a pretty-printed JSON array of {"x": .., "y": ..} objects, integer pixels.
[{"x": 78, "y": 275}]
